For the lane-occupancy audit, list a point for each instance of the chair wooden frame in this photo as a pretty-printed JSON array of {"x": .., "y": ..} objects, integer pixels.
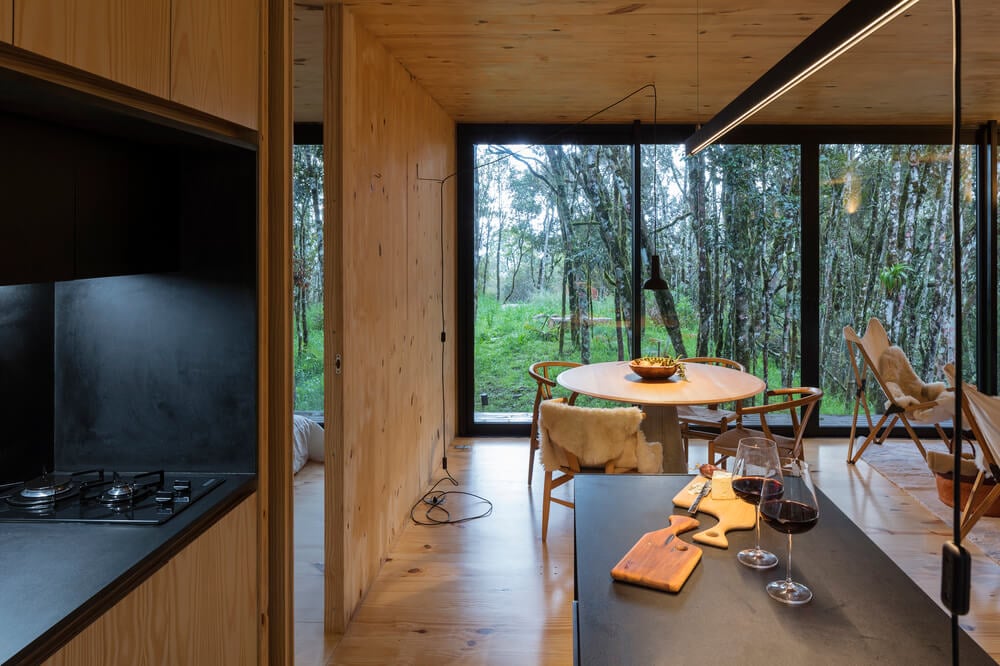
[
  {"x": 572, "y": 468},
  {"x": 976, "y": 408},
  {"x": 860, "y": 348},
  {"x": 706, "y": 421},
  {"x": 791, "y": 400},
  {"x": 540, "y": 373},
  {"x": 566, "y": 475}
]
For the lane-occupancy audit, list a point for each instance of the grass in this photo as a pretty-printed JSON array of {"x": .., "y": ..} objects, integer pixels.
[
  {"x": 309, "y": 364},
  {"x": 509, "y": 338}
]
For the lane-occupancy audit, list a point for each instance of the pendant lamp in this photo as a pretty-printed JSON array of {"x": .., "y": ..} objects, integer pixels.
[{"x": 655, "y": 281}]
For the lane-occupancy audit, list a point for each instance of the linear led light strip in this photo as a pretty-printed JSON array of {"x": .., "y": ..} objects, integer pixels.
[{"x": 855, "y": 19}]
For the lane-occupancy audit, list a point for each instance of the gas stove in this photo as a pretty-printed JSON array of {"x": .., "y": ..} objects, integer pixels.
[{"x": 92, "y": 496}]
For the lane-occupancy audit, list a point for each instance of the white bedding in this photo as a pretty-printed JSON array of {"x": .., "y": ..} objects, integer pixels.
[{"x": 307, "y": 442}]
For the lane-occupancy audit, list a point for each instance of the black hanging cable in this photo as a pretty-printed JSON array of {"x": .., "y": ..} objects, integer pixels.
[
  {"x": 955, "y": 568},
  {"x": 434, "y": 498},
  {"x": 957, "y": 255}
]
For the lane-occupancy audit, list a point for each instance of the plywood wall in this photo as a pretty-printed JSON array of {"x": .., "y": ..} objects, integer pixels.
[
  {"x": 388, "y": 277},
  {"x": 6, "y": 21}
]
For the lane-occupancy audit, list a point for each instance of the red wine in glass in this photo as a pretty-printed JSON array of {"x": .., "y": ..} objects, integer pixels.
[
  {"x": 796, "y": 511},
  {"x": 789, "y": 516},
  {"x": 757, "y": 476},
  {"x": 754, "y": 489}
]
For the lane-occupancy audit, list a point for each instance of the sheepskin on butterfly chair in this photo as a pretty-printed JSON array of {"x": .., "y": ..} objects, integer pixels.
[
  {"x": 929, "y": 403},
  {"x": 606, "y": 440},
  {"x": 907, "y": 397}
]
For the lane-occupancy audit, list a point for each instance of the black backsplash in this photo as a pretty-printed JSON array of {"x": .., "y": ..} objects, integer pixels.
[
  {"x": 26, "y": 380},
  {"x": 155, "y": 371}
]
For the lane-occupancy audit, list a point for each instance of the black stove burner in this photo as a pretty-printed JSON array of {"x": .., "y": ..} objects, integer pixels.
[{"x": 148, "y": 498}]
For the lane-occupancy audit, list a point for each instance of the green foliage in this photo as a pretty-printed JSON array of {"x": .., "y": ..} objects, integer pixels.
[
  {"x": 309, "y": 364},
  {"x": 893, "y": 278},
  {"x": 307, "y": 275}
]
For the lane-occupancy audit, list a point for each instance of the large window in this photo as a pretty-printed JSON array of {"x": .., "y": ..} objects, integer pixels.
[
  {"x": 759, "y": 269},
  {"x": 552, "y": 265},
  {"x": 726, "y": 225},
  {"x": 553, "y": 261},
  {"x": 886, "y": 252}
]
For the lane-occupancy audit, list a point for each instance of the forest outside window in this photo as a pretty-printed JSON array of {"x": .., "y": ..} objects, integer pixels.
[
  {"x": 556, "y": 275},
  {"x": 307, "y": 277},
  {"x": 728, "y": 229},
  {"x": 552, "y": 265},
  {"x": 553, "y": 257},
  {"x": 886, "y": 252}
]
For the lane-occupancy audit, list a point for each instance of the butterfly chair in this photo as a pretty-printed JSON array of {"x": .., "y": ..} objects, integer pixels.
[
  {"x": 706, "y": 421},
  {"x": 908, "y": 399},
  {"x": 541, "y": 372},
  {"x": 982, "y": 416},
  {"x": 588, "y": 439},
  {"x": 790, "y": 400}
]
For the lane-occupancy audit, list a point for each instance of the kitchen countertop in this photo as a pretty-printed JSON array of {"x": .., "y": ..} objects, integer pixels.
[
  {"x": 866, "y": 610},
  {"x": 57, "y": 578}
]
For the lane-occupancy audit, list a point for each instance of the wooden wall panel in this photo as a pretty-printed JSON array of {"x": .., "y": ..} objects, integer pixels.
[
  {"x": 121, "y": 40},
  {"x": 274, "y": 335},
  {"x": 200, "y": 608},
  {"x": 214, "y": 55},
  {"x": 387, "y": 223},
  {"x": 6, "y": 21}
]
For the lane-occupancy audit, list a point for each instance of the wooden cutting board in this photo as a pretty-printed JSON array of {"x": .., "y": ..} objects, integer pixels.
[
  {"x": 734, "y": 514},
  {"x": 659, "y": 559}
]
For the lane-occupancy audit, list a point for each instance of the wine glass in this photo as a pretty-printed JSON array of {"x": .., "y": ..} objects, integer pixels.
[
  {"x": 757, "y": 477},
  {"x": 794, "y": 512}
]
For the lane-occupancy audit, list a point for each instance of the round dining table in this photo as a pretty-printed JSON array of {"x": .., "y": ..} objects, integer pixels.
[{"x": 704, "y": 384}]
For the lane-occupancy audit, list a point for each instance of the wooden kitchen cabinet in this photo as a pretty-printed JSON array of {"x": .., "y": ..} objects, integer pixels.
[
  {"x": 6, "y": 21},
  {"x": 200, "y": 608},
  {"x": 122, "y": 40},
  {"x": 215, "y": 57}
]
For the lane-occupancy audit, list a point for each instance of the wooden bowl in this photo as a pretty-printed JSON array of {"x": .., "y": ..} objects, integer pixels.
[{"x": 653, "y": 371}]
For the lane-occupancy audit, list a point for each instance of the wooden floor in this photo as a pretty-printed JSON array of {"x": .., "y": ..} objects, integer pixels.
[{"x": 488, "y": 591}]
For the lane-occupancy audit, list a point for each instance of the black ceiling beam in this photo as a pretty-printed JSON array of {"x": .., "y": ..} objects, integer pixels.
[{"x": 855, "y": 21}]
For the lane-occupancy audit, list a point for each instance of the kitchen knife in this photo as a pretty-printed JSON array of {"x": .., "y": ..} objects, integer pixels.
[{"x": 693, "y": 509}]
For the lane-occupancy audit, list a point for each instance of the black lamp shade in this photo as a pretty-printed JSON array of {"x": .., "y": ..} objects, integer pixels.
[{"x": 655, "y": 280}]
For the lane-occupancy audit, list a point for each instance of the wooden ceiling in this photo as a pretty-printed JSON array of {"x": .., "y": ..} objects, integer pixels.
[{"x": 525, "y": 61}]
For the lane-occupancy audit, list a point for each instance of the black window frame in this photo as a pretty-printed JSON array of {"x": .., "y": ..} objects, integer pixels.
[{"x": 809, "y": 138}]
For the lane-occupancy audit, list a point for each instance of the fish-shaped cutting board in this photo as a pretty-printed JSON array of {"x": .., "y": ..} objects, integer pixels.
[{"x": 733, "y": 514}]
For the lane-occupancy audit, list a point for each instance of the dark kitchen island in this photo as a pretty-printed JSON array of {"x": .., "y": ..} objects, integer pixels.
[{"x": 865, "y": 609}]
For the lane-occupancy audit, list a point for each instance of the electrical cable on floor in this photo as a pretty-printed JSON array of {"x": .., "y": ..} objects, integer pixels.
[{"x": 434, "y": 499}]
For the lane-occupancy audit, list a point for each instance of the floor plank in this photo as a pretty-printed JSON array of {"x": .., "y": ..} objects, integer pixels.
[{"x": 489, "y": 592}]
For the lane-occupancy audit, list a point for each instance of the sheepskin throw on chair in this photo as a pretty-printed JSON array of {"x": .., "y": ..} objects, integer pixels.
[{"x": 597, "y": 436}]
